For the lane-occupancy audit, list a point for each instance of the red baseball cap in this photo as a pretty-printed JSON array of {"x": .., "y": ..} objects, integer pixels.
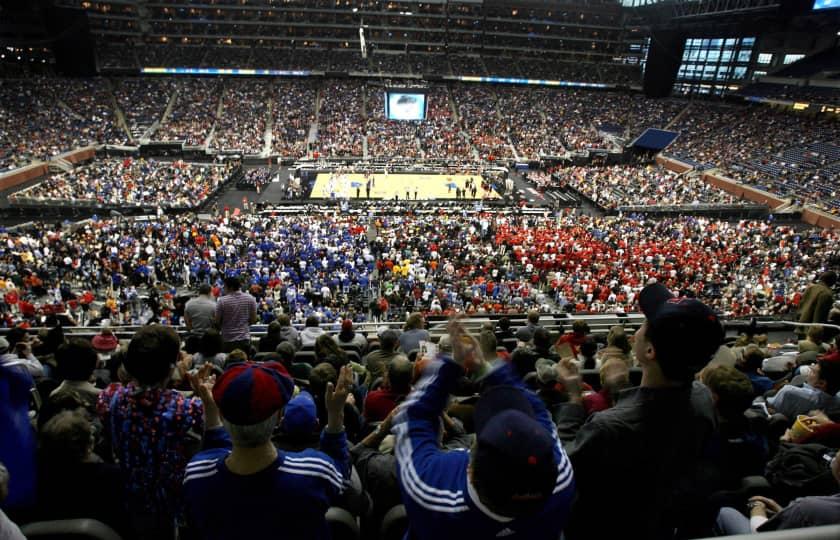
[{"x": 249, "y": 393}]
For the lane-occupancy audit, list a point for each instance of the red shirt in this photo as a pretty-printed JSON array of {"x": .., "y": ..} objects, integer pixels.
[{"x": 379, "y": 403}]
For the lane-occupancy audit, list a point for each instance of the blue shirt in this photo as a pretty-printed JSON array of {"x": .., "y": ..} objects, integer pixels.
[
  {"x": 792, "y": 401},
  {"x": 17, "y": 437},
  {"x": 438, "y": 497},
  {"x": 286, "y": 500}
]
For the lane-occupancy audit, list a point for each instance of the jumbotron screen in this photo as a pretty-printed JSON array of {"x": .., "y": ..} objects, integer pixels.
[
  {"x": 826, "y": 4},
  {"x": 405, "y": 105}
]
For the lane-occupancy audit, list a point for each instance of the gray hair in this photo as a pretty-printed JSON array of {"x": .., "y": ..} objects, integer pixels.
[{"x": 253, "y": 435}]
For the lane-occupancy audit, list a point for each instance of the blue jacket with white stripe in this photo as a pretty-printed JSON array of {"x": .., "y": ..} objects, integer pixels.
[
  {"x": 439, "y": 499},
  {"x": 286, "y": 500}
]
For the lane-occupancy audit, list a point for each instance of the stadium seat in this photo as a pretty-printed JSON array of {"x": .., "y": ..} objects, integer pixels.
[
  {"x": 343, "y": 526},
  {"x": 394, "y": 524},
  {"x": 65, "y": 529}
]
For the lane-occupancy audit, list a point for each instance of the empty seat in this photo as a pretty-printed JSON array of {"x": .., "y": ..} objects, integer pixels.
[{"x": 65, "y": 529}]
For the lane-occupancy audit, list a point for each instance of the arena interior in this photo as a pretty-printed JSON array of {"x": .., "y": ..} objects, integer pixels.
[{"x": 438, "y": 269}]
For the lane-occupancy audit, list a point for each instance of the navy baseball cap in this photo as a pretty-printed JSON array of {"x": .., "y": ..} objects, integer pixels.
[
  {"x": 513, "y": 463},
  {"x": 300, "y": 417},
  {"x": 249, "y": 393},
  {"x": 680, "y": 328}
]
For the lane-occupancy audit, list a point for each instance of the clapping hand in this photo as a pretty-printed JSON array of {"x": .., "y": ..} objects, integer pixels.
[
  {"x": 202, "y": 382},
  {"x": 336, "y": 397},
  {"x": 466, "y": 351}
]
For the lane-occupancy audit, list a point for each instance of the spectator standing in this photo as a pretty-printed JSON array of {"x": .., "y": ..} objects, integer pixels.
[
  {"x": 413, "y": 333},
  {"x": 236, "y": 311},
  {"x": 17, "y": 443},
  {"x": 632, "y": 457},
  {"x": 200, "y": 312},
  {"x": 285, "y": 494},
  {"x": 817, "y": 300},
  {"x": 150, "y": 428},
  {"x": 515, "y": 482}
]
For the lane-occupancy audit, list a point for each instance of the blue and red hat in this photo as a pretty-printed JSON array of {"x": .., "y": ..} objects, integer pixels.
[{"x": 250, "y": 393}]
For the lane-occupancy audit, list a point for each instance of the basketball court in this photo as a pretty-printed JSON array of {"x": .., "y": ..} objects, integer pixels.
[{"x": 414, "y": 186}]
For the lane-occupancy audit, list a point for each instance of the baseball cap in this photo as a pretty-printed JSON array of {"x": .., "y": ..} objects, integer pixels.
[
  {"x": 524, "y": 334},
  {"x": 105, "y": 341},
  {"x": 680, "y": 328},
  {"x": 249, "y": 393},
  {"x": 513, "y": 463},
  {"x": 346, "y": 325},
  {"x": 300, "y": 417},
  {"x": 546, "y": 371}
]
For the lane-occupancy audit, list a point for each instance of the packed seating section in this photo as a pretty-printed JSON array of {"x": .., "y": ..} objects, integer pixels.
[
  {"x": 128, "y": 183},
  {"x": 435, "y": 264},
  {"x": 798, "y": 161}
]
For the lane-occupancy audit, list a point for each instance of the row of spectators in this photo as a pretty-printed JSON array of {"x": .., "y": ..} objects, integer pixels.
[
  {"x": 341, "y": 119},
  {"x": 482, "y": 121},
  {"x": 36, "y": 125},
  {"x": 389, "y": 138},
  {"x": 784, "y": 153},
  {"x": 129, "y": 182},
  {"x": 294, "y": 113},
  {"x": 619, "y": 185},
  {"x": 440, "y": 134},
  {"x": 242, "y": 124},
  {"x": 327, "y": 265},
  {"x": 193, "y": 114},
  {"x": 143, "y": 100},
  {"x": 147, "y": 436}
]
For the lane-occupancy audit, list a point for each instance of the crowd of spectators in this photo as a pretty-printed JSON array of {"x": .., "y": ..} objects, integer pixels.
[
  {"x": 255, "y": 179},
  {"x": 440, "y": 134},
  {"x": 341, "y": 130},
  {"x": 294, "y": 113},
  {"x": 774, "y": 150},
  {"x": 477, "y": 109},
  {"x": 143, "y": 100},
  {"x": 147, "y": 435},
  {"x": 242, "y": 125},
  {"x": 651, "y": 185},
  {"x": 328, "y": 266},
  {"x": 91, "y": 99},
  {"x": 129, "y": 182},
  {"x": 389, "y": 138},
  {"x": 34, "y": 125},
  {"x": 193, "y": 113}
]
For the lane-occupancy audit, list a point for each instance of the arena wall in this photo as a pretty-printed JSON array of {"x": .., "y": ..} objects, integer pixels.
[{"x": 745, "y": 192}]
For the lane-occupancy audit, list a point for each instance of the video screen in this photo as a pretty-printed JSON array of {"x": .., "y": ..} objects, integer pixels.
[
  {"x": 401, "y": 105},
  {"x": 826, "y": 4}
]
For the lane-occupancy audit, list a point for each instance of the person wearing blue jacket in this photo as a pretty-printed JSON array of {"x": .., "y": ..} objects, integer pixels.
[
  {"x": 241, "y": 486},
  {"x": 515, "y": 482}
]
